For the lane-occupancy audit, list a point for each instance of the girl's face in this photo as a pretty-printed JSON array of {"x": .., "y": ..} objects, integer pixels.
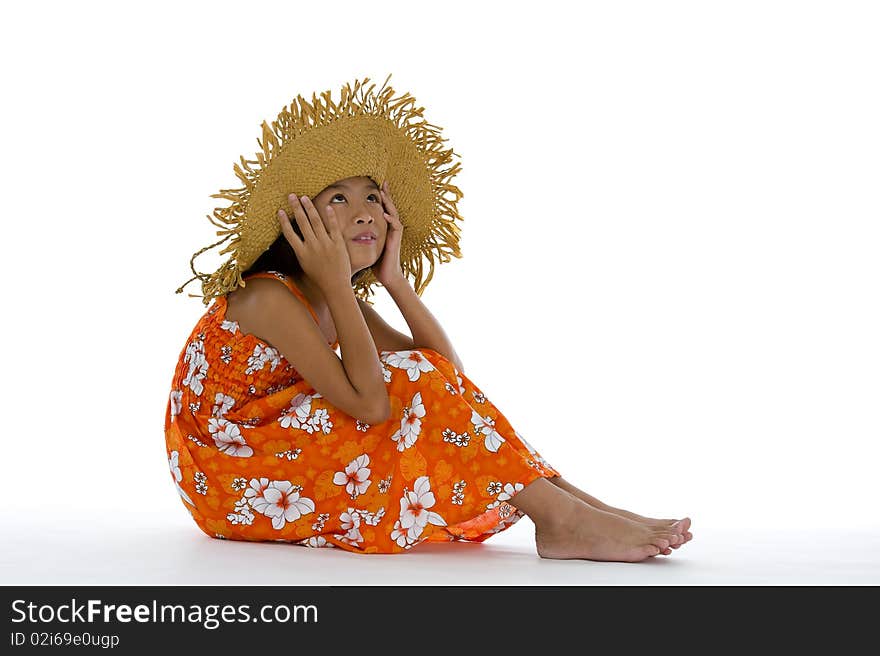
[{"x": 357, "y": 205}]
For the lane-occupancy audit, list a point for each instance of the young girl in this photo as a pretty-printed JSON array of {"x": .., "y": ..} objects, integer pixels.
[{"x": 271, "y": 435}]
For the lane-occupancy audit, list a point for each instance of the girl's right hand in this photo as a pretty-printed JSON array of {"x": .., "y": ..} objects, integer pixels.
[{"x": 321, "y": 252}]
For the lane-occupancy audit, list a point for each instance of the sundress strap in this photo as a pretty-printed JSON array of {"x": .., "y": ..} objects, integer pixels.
[{"x": 288, "y": 281}]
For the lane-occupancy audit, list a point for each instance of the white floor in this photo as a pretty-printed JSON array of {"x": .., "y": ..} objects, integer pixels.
[{"x": 155, "y": 550}]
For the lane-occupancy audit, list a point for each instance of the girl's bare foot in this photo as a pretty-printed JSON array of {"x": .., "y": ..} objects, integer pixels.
[
  {"x": 680, "y": 526},
  {"x": 566, "y": 527},
  {"x": 592, "y": 534}
]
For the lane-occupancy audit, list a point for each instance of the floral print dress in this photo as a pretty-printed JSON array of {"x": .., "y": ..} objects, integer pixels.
[{"x": 256, "y": 453}]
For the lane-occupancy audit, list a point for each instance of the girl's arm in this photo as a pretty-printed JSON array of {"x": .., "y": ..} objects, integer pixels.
[{"x": 426, "y": 330}]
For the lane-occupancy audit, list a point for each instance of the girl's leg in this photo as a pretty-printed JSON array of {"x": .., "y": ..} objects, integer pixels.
[
  {"x": 683, "y": 524},
  {"x": 567, "y": 527}
]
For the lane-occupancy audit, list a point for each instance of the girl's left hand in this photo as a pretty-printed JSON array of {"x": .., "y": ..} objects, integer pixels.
[{"x": 387, "y": 267}]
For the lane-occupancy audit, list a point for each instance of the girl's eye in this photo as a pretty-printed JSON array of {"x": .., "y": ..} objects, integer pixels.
[{"x": 335, "y": 196}]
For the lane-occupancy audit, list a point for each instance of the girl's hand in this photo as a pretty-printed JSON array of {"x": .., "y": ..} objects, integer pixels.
[
  {"x": 320, "y": 250},
  {"x": 387, "y": 267}
]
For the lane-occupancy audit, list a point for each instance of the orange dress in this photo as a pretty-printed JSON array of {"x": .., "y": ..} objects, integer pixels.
[{"x": 257, "y": 454}]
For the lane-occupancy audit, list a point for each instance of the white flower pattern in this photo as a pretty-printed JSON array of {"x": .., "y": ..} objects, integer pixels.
[
  {"x": 504, "y": 493},
  {"x": 486, "y": 426},
  {"x": 176, "y": 405},
  {"x": 262, "y": 356},
  {"x": 351, "y": 522},
  {"x": 279, "y": 500},
  {"x": 222, "y": 404},
  {"x": 173, "y": 465},
  {"x": 410, "y": 424},
  {"x": 356, "y": 477},
  {"x": 415, "y": 514},
  {"x": 299, "y": 415},
  {"x": 228, "y": 438},
  {"x": 413, "y": 362},
  {"x": 198, "y": 366}
]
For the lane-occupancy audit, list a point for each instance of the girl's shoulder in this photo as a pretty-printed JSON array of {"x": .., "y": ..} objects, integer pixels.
[
  {"x": 253, "y": 297},
  {"x": 270, "y": 275},
  {"x": 257, "y": 284}
]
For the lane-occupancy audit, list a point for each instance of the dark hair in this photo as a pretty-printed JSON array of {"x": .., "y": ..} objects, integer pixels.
[{"x": 281, "y": 257}]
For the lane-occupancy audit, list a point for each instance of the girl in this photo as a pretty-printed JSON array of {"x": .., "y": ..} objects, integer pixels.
[{"x": 271, "y": 435}]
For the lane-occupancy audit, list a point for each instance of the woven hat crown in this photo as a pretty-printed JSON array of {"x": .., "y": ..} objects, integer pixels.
[{"x": 313, "y": 144}]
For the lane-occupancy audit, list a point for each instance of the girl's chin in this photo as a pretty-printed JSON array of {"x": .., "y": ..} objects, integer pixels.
[{"x": 358, "y": 264}]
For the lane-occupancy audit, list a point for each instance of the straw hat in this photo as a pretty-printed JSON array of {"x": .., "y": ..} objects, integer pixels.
[{"x": 314, "y": 144}]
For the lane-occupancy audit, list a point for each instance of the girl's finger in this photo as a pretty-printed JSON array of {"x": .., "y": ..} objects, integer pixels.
[
  {"x": 302, "y": 220},
  {"x": 287, "y": 229},
  {"x": 314, "y": 218},
  {"x": 394, "y": 220},
  {"x": 387, "y": 197},
  {"x": 332, "y": 224}
]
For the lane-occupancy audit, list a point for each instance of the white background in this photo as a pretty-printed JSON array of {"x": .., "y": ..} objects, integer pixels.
[{"x": 670, "y": 236}]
